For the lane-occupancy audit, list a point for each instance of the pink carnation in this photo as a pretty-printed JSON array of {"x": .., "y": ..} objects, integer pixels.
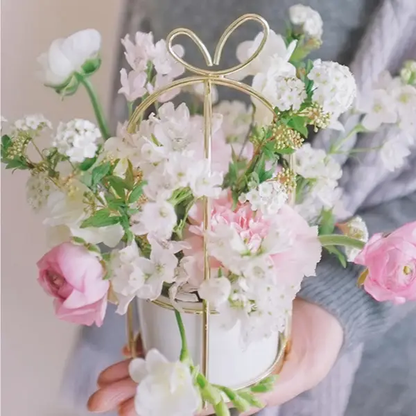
[
  {"x": 74, "y": 277},
  {"x": 293, "y": 257},
  {"x": 391, "y": 264}
]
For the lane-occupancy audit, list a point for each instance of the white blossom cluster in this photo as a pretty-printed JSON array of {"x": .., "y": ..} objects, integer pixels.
[
  {"x": 32, "y": 122},
  {"x": 334, "y": 87},
  {"x": 133, "y": 275},
  {"x": 392, "y": 101},
  {"x": 355, "y": 228},
  {"x": 322, "y": 173},
  {"x": 78, "y": 139},
  {"x": 172, "y": 159},
  {"x": 143, "y": 55},
  {"x": 309, "y": 20},
  {"x": 268, "y": 197},
  {"x": 38, "y": 189}
]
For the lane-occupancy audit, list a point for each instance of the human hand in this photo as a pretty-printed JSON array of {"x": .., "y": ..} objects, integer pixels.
[{"x": 316, "y": 341}]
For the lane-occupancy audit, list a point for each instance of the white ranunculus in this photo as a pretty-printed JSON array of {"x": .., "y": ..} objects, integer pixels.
[
  {"x": 275, "y": 46},
  {"x": 379, "y": 108},
  {"x": 68, "y": 55},
  {"x": 215, "y": 290},
  {"x": 165, "y": 388}
]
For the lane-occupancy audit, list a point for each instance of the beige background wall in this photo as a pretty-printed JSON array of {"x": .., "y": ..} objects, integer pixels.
[{"x": 34, "y": 342}]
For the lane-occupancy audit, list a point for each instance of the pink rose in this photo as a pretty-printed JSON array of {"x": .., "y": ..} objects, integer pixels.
[
  {"x": 74, "y": 277},
  {"x": 391, "y": 264}
]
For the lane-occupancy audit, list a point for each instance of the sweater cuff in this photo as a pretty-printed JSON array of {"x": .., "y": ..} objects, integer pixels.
[{"x": 335, "y": 289}]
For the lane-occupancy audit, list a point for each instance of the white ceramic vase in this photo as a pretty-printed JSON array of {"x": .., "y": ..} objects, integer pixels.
[{"x": 230, "y": 364}]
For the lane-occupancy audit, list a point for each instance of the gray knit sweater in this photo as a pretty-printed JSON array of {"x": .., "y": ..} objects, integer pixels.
[{"x": 370, "y": 35}]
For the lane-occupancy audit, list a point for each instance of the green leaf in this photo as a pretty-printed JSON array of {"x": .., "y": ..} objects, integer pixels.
[
  {"x": 327, "y": 222},
  {"x": 18, "y": 163},
  {"x": 115, "y": 204},
  {"x": 338, "y": 253},
  {"x": 119, "y": 185},
  {"x": 285, "y": 151},
  {"x": 86, "y": 179},
  {"x": 100, "y": 172},
  {"x": 130, "y": 174},
  {"x": 299, "y": 124},
  {"x": 221, "y": 409},
  {"x": 250, "y": 398},
  {"x": 78, "y": 240},
  {"x": 6, "y": 142},
  {"x": 211, "y": 394},
  {"x": 136, "y": 193},
  {"x": 87, "y": 163},
  {"x": 101, "y": 218}
]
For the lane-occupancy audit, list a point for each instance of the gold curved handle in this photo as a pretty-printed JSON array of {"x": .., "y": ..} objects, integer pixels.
[{"x": 220, "y": 46}]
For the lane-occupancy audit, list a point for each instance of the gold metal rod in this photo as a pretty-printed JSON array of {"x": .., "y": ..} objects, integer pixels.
[
  {"x": 130, "y": 331},
  {"x": 207, "y": 226}
]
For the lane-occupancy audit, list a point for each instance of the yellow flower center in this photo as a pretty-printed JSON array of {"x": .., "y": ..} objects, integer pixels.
[{"x": 407, "y": 270}]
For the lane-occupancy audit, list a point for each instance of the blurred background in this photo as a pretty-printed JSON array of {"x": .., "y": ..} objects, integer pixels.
[{"x": 32, "y": 367}]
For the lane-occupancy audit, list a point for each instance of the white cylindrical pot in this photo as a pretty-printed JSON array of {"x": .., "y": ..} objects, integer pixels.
[{"x": 230, "y": 363}]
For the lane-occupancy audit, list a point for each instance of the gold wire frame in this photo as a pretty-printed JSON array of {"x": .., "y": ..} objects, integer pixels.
[{"x": 208, "y": 77}]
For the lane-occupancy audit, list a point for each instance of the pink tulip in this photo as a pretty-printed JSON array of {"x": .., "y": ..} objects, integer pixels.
[
  {"x": 74, "y": 277},
  {"x": 391, "y": 264}
]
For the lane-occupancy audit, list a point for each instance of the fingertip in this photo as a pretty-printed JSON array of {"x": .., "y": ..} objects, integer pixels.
[
  {"x": 127, "y": 409},
  {"x": 114, "y": 373}
]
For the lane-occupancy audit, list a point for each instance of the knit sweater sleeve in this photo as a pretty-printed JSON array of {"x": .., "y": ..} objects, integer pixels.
[{"x": 334, "y": 288}]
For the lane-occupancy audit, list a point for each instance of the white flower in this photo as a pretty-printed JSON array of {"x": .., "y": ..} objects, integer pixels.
[
  {"x": 323, "y": 172},
  {"x": 67, "y": 207},
  {"x": 157, "y": 217},
  {"x": 158, "y": 269},
  {"x": 272, "y": 84},
  {"x": 38, "y": 189},
  {"x": 109, "y": 236},
  {"x": 164, "y": 388},
  {"x": 315, "y": 163},
  {"x": 139, "y": 53},
  {"x": 275, "y": 47},
  {"x": 236, "y": 120},
  {"x": 334, "y": 87},
  {"x": 215, "y": 290},
  {"x": 269, "y": 197},
  {"x": 160, "y": 82},
  {"x": 66, "y": 56},
  {"x": 199, "y": 91},
  {"x": 164, "y": 63},
  {"x": 298, "y": 14},
  {"x": 127, "y": 276},
  {"x": 355, "y": 228},
  {"x": 393, "y": 153},
  {"x": 310, "y": 20},
  {"x": 77, "y": 139},
  {"x": 172, "y": 128},
  {"x": 133, "y": 85},
  {"x": 32, "y": 122},
  {"x": 203, "y": 182},
  {"x": 405, "y": 101},
  {"x": 378, "y": 108}
]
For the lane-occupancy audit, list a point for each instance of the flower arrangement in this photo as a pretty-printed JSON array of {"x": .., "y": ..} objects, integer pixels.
[{"x": 124, "y": 211}]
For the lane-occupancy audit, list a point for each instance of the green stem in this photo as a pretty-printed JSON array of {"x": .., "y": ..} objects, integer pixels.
[
  {"x": 341, "y": 240},
  {"x": 338, "y": 145},
  {"x": 184, "y": 350},
  {"x": 98, "y": 109}
]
